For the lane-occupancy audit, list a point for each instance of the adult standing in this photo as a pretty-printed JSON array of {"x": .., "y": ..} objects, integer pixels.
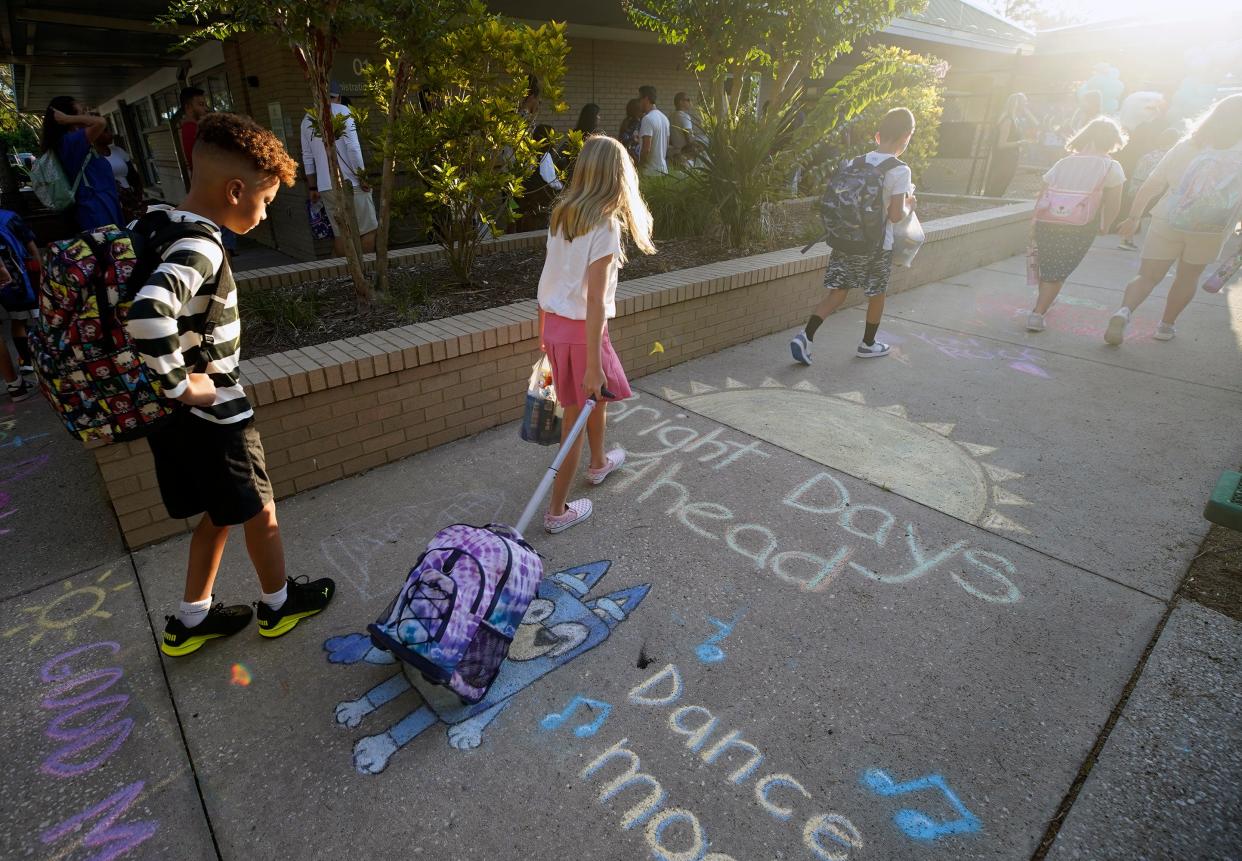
[
  {"x": 1189, "y": 225},
  {"x": 654, "y": 133},
  {"x": 1010, "y": 131},
  {"x": 682, "y": 139},
  {"x": 628, "y": 134},
  {"x": 128, "y": 179},
  {"x": 588, "y": 120},
  {"x": 193, "y": 108},
  {"x": 356, "y": 192},
  {"x": 70, "y": 133}
]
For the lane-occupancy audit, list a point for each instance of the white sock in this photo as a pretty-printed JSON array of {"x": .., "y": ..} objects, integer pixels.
[
  {"x": 192, "y": 613},
  {"x": 275, "y": 600},
  {"x": 1123, "y": 311}
]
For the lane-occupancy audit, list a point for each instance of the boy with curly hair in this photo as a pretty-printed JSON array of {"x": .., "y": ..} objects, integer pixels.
[{"x": 209, "y": 459}]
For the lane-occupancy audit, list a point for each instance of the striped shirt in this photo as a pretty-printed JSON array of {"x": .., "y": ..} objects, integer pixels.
[{"x": 169, "y": 312}]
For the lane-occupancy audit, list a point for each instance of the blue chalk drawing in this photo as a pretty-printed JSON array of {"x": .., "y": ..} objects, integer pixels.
[
  {"x": 559, "y": 626},
  {"x": 585, "y": 730},
  {"x": 708, "y": 651},
  {"x": 917, "y": 825}
]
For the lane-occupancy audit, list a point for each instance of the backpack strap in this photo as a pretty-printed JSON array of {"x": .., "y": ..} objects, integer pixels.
[
  {"x": 890, "y": 163},
  {"x": 159, "y": 232}
]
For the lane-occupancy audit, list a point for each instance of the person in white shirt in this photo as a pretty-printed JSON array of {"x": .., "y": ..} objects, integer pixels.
[
  {"x": 1201, "y": 183},
  {"x": 577, "y": 296},
  {"x": 1091, "y": 179},
  {"x": 682, "y": 136},
  {"x": 868, "y": 269},
  {"x": 319, "y": 177},
  {"x": 654, "y": 133},
  {"x": 128, "y": 179}
]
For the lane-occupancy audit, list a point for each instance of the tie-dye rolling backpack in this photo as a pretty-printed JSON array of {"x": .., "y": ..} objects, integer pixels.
[
  {"x": 87, "y": 366},
  {"x": 455, "y": 617}
]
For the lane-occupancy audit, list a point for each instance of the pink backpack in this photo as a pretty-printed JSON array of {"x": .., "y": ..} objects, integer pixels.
[{"x": 1076, "y": 208}]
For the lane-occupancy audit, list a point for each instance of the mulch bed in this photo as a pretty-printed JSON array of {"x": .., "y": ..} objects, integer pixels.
[{"x": 284, "y": 318}]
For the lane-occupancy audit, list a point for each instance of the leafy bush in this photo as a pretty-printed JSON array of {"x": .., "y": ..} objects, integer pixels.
[{"x": 679, "y": 205}]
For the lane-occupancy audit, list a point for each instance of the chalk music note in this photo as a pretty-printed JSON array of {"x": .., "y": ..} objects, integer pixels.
[
  {"x": 708, "y": 651},
  {"x": 918, "y": 825},
  {"x": 554, "y": 720}
]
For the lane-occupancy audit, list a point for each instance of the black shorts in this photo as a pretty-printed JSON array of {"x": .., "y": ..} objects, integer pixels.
[{"x": 219, "y": 469}]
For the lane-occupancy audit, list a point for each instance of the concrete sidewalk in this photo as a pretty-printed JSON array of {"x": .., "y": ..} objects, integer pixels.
[{"x": 857, "y": 610}]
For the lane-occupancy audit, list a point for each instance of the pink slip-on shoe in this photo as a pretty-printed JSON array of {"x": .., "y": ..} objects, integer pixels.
[
  {"x": 575, "y": 512},
  {"x": 615, "y": 459}
]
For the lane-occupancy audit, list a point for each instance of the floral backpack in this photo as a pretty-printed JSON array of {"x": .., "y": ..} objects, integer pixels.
[
  {"x": 88, "y": 368},
  {"x": 1208, "y": 199}
]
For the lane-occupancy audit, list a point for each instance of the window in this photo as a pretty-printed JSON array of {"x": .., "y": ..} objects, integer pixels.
[
  {"x": 216, "y": 85},
  {"x": 144, "y": 119},
  {"x": 166, "y": 103}
]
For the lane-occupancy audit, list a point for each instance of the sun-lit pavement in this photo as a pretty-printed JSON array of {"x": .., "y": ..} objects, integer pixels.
[{"x": 862, "y": 609}]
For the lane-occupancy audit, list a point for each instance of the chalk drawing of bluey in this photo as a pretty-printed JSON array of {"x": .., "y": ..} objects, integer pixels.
[{"x": 559, "y": 626}]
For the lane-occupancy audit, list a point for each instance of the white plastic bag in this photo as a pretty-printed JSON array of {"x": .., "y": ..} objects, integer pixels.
[{"x": 908, "y": 238}]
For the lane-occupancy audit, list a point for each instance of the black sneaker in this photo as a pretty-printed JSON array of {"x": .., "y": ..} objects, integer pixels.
[
  {"x": 20, "y": 390},
  {"x": 305, "y": 598},
  {"x": 221, "y": 621}
]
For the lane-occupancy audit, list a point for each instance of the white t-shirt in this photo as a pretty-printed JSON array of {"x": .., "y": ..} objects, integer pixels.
[
  {"x": 119, "y": 159},
  {"x": 681, "y": 130},
  {"x": 563, "y": 284},
  {"x": 1081, "y": 173},
  {"x": 655, "y": 126},
  {"x": 898, "y": 181},
  {"x": 348, "y": 152}
]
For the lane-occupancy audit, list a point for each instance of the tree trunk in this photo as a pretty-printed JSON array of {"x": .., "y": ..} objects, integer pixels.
[
  {"x": 319, "y": 68},
  {"x": 400, "y": 88}
]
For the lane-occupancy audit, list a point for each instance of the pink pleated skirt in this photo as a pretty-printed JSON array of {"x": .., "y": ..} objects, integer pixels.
[{"x": 566, "y": 343}]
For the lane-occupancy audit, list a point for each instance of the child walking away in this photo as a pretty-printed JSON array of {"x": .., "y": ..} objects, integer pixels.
[
  {"x": 577, "y": 293},
  {"x": 1203, "y": 179},
  {"x": 20, "y": 271},
  {"x": 1080, "y": 198},
  {"x": 865, "y": 198},
  {"x": 1143, "y": 169},
  {"x": 209, "y": 459}
]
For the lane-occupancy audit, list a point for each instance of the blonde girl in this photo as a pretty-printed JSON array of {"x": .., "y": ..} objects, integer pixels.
[
  {"x": 577, "y": 296},
  {"x": 1089, "y": 169}
]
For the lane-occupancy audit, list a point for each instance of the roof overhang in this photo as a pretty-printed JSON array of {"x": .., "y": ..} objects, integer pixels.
[{"x": 76, "y": 48}]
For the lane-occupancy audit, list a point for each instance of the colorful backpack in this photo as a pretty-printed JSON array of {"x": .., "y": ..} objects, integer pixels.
[
  {"x": 852, "y": 207},
  {"x": 88, "y": 368},
  {"x": 456, "y": 615},
  {"x": 1209, "y": 197},
  {"x": 1073, "y": 208}
]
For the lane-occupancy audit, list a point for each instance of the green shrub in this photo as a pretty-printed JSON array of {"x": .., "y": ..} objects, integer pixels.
[{"x": 680, "y": 207}]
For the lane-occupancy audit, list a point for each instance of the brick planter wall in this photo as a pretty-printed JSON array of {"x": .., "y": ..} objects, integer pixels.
[{"x": 342, "y": 408}]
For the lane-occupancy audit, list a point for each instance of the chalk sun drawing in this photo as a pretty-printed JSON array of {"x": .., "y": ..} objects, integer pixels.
[
  {"x": 920, "y": 460},
  {"x": 73, "y": 605},
  {"x": 560, "y": 625}
]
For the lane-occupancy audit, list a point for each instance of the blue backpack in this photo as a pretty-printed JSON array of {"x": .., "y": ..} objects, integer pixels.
[
  {"x": 19, "y": 293},
  {"x": 852, "y": 208}
]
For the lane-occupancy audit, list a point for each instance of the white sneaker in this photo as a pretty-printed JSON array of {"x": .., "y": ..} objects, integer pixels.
[
  {"x": 1165, "y": 332},
  {"x": 1116, "y": 331},
  {"x": 1035, "y": 322},
  {"x": 872, "y": 351}
]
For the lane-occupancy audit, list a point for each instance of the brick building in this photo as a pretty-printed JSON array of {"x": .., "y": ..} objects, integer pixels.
[{"x": 132, "y": 72}]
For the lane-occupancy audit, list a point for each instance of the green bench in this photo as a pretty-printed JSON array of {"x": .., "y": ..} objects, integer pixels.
[{"x": 1225, "y": 505}]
